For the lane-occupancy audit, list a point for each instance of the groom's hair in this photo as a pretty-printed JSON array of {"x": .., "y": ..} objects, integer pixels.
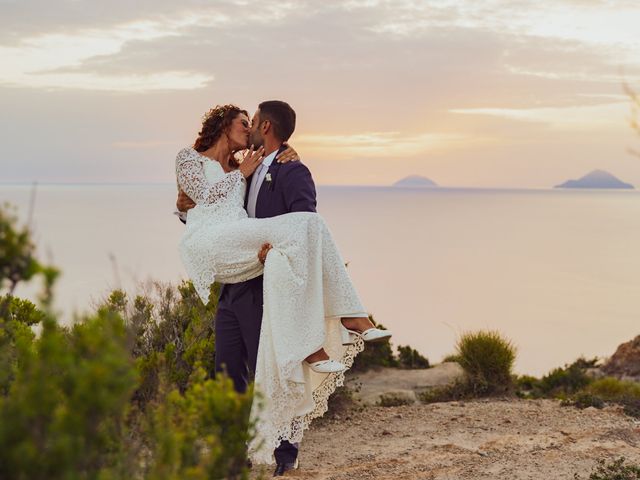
[{"x": 281, "y": 116}]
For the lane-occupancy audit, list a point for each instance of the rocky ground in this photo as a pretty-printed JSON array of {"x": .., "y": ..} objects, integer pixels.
[
  {"x": 484, "y": 439},
  {"x": 514, "y": 439}
]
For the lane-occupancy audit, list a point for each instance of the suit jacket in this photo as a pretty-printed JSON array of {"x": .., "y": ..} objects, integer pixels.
[{"x": 291, "y": 189}]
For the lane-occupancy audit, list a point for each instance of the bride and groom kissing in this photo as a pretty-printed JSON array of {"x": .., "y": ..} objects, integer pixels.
[{"x": 288, "y": 316}]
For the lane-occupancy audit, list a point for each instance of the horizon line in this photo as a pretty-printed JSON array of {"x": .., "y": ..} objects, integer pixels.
[{"x": 400, "y": 188}]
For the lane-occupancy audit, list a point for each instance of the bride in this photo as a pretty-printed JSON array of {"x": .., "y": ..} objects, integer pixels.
[{"x": 309, "y": 300}]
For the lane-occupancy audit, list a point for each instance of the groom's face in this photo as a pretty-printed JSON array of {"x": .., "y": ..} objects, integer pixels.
[{"x": 255, "y": 137}]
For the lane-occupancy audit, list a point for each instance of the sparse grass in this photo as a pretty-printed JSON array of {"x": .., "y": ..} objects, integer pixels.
[
  {"x": 584, "y": 400},
  {"x": 631, "y": 407},
  {"x": 572, "y": 384},
  {"x": 392, "y": 399},
  {"x": 459, "y": 390},
  {"x": 621, "y": 392},
  {"x": 618, "y": 469}
]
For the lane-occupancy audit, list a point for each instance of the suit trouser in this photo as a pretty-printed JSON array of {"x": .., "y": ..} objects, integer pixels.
[{"x": 237, "y": 327}]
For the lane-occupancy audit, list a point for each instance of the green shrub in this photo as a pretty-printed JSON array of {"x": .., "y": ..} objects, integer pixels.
[
  {"x": 17, "y": 257},
  {"x": 411, "y": 358},
  {"x": 584, "y": 400},
  {"x": 68, "y": 413},
  {"x": 487, "y": 360},
  {"x": 170, "y": 331},
  {"x": 618, "y": 469},
  {"x": 120, "y": 394},
  {"x": 612, "y": 389},
  {"x": 526, "y": 384},
  {"x": 202, "y": 433},
  {"x": 560, "y": 382},
  {"x": 63, "y": 416},
  {"x": 16, "y": 318},
  {"x": 451, "y": 358}
]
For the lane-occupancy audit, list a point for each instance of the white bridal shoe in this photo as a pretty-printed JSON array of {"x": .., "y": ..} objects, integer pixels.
[
  {"x": 327, "y": 366},
  {"x": 370, "y": 335}
]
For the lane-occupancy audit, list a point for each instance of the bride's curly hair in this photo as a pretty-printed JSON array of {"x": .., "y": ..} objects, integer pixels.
[{"x": 214, "y": 123}]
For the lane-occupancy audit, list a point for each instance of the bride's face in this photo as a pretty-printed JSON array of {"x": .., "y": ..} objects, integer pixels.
[{"x": 239, "y": 132}]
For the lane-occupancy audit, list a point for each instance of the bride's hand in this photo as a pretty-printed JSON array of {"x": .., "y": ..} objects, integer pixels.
[
  {"x": 288, "y": 155},
  {"x": 262, "y": 254},
  {"x": 252, "y": 159}
]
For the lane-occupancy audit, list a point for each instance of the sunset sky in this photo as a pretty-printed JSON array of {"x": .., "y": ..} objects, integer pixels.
[{"x": 482, "y": 94}]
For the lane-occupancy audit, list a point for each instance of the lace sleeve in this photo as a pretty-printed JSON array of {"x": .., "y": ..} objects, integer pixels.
[{"x": 191, "y": 179}]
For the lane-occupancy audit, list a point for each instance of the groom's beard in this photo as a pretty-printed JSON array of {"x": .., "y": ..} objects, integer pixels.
[{"x": 256, "y": 140}]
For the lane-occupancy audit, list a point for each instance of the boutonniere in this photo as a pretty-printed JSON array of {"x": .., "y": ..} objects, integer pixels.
[{"x": 267, "y": 177}]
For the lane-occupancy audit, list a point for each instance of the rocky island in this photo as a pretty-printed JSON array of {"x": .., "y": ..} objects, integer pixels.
[
  {"x": 415, "y": 181},
  {"x": 596, "y": 179}
]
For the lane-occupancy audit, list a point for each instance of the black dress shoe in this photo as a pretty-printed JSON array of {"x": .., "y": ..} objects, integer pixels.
[{"x": 281, "y": 468}]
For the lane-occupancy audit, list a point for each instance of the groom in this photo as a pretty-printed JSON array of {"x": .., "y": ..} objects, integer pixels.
[{"x": 274, "y": 189}]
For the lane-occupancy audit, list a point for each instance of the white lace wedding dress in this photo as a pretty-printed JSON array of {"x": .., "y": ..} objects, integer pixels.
[{"x": 306, "y": 290}]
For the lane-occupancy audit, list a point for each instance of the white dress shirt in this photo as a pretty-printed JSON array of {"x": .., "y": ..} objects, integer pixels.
[{"x": 256, "y": 182}]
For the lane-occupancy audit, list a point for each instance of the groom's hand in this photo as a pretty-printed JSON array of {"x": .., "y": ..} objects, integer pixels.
[
  {"x": 262, "y": 254},
  {"x": 184, "y": 203}
]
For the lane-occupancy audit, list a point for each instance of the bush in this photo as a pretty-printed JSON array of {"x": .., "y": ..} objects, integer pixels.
[
  {"x": 612, "y": 389},
  {"x": 120, "y": 394},
  {"x": 526, "y": 384},
  {"x": 411, "y": 358},
  {"x": 451, "y": 358},
  {"x": 69, "y": 410},
  {"x": 63, "y": 416},
  {"x": 459, "y": 390},
  {"x": 616, "y": 470},
  {"x": 17, "y": 257},
  {"x": 201, "y": 434},
  {"x": 622, "y": 392},
  {"x": 170, "y": 331},
  {"x": 584, "y": 400},
  {"x": 559, "y": 383},
  {"x": 487, "y": 360}
]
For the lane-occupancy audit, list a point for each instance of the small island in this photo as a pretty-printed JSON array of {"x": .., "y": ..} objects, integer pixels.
[
  {"x": 596, "y": 179},
  {"x": 415, "y": 181}
]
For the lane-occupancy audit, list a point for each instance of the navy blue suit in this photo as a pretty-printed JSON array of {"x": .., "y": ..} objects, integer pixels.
[{"x": 239, "y": 314}]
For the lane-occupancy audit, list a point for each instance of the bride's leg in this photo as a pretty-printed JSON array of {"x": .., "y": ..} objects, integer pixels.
[
  {"x": 317, "y": 356},
  {"x": 359, "y": 324}
]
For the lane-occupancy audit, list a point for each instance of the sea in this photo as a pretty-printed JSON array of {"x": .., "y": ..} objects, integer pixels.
[{"x": 557, "y": 272}]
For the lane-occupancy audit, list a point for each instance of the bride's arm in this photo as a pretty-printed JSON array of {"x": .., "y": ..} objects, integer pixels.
[{"x": 191, "y": 179}]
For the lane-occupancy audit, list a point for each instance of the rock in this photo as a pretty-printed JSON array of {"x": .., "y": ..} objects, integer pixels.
[
  {"x": 370, "y": 386},
  {"x": 625, "y": 362}
]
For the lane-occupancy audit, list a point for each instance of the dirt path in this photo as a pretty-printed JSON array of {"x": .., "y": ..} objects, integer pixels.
[{"x": 514, "y": 439}]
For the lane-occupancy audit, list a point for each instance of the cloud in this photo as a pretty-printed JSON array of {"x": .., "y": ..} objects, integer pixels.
[
  {"x": 380, "y": 144},
  {"x": 579, "y": 118},
  {"x": 368, "y": 78},
  {"x": 56, "y": 60}
]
